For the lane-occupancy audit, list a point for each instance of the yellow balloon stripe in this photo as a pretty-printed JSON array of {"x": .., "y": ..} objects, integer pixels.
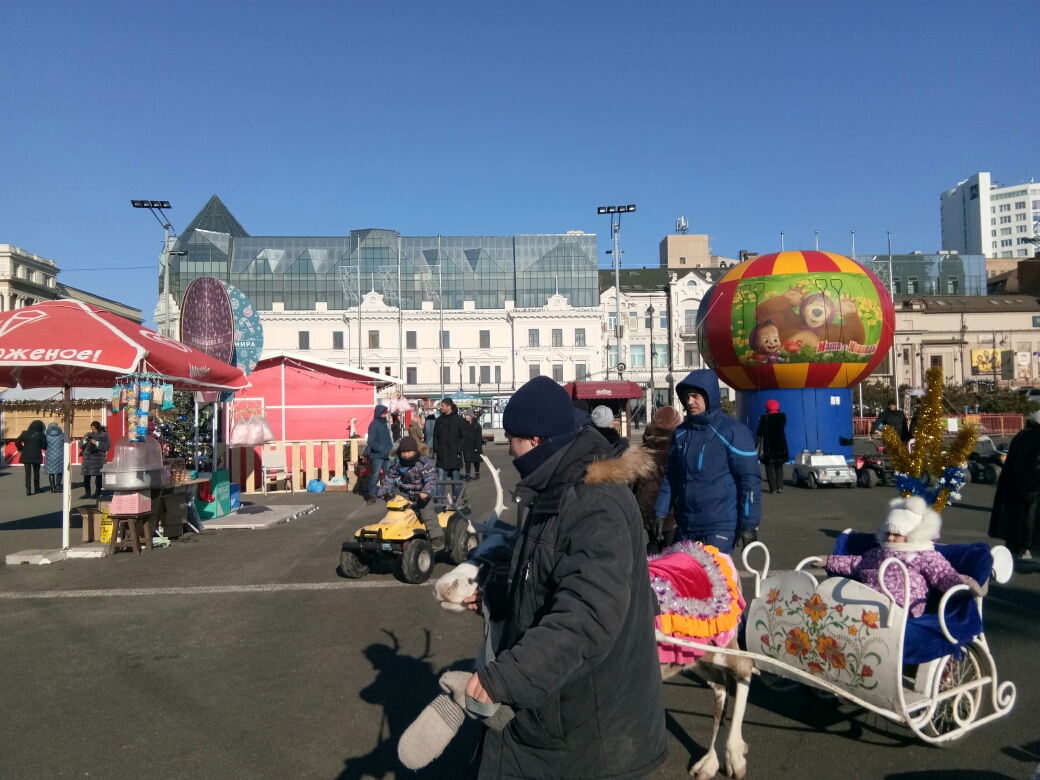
[{"x": 791, "y": 375}]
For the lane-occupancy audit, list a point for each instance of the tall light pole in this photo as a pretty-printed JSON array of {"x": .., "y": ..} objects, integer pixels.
[
  {"x": 460, "y": 370},
  {"x": 154, "y": 206},
  {"x": 615, "y": 231},
  {"x": 650, "y": 311},
  {"x": 440, "y": 306}
]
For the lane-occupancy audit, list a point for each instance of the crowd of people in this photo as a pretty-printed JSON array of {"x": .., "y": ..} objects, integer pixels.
[{"x": 43, "y": 449}]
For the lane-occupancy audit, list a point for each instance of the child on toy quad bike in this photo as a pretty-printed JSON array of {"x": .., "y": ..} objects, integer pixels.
[{"x": 415, "y": 476}]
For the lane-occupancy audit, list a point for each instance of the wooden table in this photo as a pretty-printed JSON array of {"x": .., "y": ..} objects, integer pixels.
[{"x": 148, "y": 519}]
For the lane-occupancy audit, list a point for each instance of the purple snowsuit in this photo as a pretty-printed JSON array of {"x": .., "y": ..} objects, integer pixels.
[{"x": 926, "y": 567}]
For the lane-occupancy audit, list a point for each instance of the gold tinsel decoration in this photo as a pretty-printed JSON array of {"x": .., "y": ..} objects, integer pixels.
[{"x": 928, "y": 456}]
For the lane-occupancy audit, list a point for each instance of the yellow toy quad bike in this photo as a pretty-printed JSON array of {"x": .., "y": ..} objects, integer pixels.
[{"x": 401, "y": 535}]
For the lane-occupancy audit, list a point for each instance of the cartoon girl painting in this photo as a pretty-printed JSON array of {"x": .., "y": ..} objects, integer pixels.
[{"x": 765, "y": 343}]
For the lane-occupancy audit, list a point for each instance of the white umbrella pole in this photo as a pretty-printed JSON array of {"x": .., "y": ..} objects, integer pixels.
[{"x": 66, "y": 483}]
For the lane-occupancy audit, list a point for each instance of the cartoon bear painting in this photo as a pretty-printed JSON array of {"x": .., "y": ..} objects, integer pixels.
[
  {"x": 818, "y": 314},
  {"x": 782, "y": 311}
]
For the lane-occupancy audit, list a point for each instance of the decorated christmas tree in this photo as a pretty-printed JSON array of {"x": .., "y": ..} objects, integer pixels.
[{"x": 176, "y": 429}]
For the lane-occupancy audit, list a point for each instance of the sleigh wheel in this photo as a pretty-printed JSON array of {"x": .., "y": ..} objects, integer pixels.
[{"x": 960, "y": 710}]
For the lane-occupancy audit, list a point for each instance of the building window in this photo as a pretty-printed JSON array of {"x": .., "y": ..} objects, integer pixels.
[
  {"x": 387, "y": 371},
  {"x": 993, "y": 233},
  {"x": 633, "y": 320},
  {"x": 994, "y": 245},
  {"x": 580, "y": 372},
  {"x": 557, "y": 372},
  {"x": 485, "y": 375},
  {"x": 412, "y": 375},
  {"x": 409, "y": 339},
  {"x": 446, "y": 375},
  {"x": 373, "y": 369},
  {"x": 305, "y": 339},
  {"x": 897, "y": 286},
  {"x": 498, "y": 375},
  {"x": 1005, "y": 220},
  {"x": 445, "y": 339},
  {"x": 1023, "y": 253},
  {"x": 373, "y": 339},
  {"x": 682, "y": 261},
  {"x": 992, "y": 209},
  {"x": 1005, "y": 242},
  {"x": 1005, "y": 207},
  {"x": 689, "y": 357},
  {"x": 660, "y": 355},
  {"x": 1036, "y": 205},
  {"x": 612, "y": 321},
  {"x": 911, "y": 285},
  {"x": 1005, "y": 231},
  {"x": 637, "y": 352},
  {"x": 953, "y": 286},
  {"x": 533, "y": 338},
  {"x": 485, "y": 339},
  {"x": 1020, "y": 204},
  {"x": 557, "y": 337},
  {"x": 1020, "y": 217},
  {"x": 906, "y": 357},
  {"x": 533, "y": 370},
  {"x": 993, "y": 220},
  {"x": 1020, "y": 228},
  {"x": 612, "y": 356},
  {"x": 472, "y": 375},
  {"x": 648, "y": 320},
  {"x": 935, "y": 360},
  {"x": 579, "y": 337},
  {"x": 1006, "y": 254},
  {"x": 337, "y": 339},
  {"x": 663, "y": 322},
  {"x": 689, "y": 320}
]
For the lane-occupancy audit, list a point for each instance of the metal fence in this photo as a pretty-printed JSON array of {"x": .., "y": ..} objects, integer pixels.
[{"x": 991, "y": 424}]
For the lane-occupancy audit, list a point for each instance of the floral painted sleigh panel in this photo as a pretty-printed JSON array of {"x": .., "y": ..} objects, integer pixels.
[{"x": 840, "y": 631}]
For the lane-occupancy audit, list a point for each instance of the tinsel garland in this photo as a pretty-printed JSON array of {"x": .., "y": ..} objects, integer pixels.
[{"x": 917, "y": 468}]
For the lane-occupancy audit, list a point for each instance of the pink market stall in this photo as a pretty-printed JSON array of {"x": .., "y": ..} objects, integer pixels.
[{"x": 310, "y": 405}]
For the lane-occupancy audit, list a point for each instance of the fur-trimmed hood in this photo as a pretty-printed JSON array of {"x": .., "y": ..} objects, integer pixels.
[{"x": 634, "y": 463}]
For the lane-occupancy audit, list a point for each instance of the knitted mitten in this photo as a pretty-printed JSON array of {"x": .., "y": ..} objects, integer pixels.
[{"x": 436, "y": 725}]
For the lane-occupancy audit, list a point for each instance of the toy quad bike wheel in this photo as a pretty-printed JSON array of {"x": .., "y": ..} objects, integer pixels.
[
  {"x": 459, "y": 540},
  {"x": 353, "y": 565},
  {"x": 416, "y": 562}
]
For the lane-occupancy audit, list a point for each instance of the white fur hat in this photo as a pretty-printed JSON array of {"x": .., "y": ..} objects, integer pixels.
[{"x": 913, "y": 518}]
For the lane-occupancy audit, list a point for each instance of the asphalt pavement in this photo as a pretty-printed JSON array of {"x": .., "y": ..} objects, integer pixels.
[{"x": 243, "y": 654}]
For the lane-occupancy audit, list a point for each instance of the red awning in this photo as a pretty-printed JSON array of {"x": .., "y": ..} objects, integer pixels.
[{"x": 590, "y": 391}]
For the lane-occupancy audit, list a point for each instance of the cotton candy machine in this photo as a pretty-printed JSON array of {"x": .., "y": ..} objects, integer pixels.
[{"x": 135, "y": 465}]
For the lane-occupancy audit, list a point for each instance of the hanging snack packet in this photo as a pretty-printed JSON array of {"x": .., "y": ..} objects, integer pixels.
[
  {"x": 167, "y": 403},
  {"x": 157, "y": 395},
  {"x": 145, "y": 401},
  {"x": 115, "y": 399}
]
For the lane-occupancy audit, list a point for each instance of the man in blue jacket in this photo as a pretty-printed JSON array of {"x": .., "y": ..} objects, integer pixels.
[
  {"x": 711, "y": 478},
  {"x": 379, "y": 445}
]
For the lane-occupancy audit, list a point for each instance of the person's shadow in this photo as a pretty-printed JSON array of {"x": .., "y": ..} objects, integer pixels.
[{"x": 404, "y": 685}]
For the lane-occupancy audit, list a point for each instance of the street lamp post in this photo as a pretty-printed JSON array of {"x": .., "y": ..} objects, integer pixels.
[
  {"x": 650, "y": 311},
  {"x": 460, "y": 364},
  {"x": 154, "y": 206},
  {"x": 615, "y": 231}
]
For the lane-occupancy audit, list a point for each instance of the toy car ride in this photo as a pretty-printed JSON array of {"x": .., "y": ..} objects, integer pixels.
[
  {"x": 874, "y": 469},
  {"x": 812, "y": 469},
  {"x": 402, "y": 536},
  {"x": 986, "y": 461}
]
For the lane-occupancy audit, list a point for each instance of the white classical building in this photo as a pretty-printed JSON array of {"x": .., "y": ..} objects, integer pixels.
[{"x": 981, "y": 217}]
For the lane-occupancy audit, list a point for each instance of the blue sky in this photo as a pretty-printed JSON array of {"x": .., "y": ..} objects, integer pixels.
[{"x": 498, "y": 118}]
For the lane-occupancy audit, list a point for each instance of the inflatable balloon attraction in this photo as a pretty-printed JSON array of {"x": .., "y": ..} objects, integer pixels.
[{"x": 802, "y": 328}]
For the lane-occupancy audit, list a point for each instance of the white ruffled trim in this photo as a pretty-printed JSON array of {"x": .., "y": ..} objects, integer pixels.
[{"x": 670, "y": 601}]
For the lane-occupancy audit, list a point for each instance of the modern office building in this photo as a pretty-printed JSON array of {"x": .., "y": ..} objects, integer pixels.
[
  {"x": 945, "y": 273},
  {"x": 683, "y": 251},
  {"x": 470, "y": 312},
  {"x": 981, "y": 217}
]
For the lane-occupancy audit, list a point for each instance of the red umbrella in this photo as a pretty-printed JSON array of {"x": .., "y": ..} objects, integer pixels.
[{"x": 71, "y": 344}]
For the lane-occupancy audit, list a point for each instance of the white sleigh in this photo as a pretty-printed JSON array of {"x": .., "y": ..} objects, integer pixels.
[{"x": 841, "y": 636}]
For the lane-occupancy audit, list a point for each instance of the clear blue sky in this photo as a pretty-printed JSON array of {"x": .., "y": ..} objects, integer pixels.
[{"x": 500, "y": 118}]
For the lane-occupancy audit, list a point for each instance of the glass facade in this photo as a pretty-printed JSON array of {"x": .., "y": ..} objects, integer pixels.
[
  {"x": 931, "y": 274},
  {"x": 302, "y": 271}
]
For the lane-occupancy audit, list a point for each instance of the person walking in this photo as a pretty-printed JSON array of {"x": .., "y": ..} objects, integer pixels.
[
  {"x": 1013, "y": 517},
  {"x": 54, "y": 462},
  {"x": 895, "y": 418},
  {"x": 415, "y": 430},
  {"x": 92, "y": 449},
  {"x": 395, "y": 427},
  {"x": 474, "y": 444},
  {"x": 31, "y": 444},
  {"x": 771, "y": 441},
  {"x": 712, "y": 480},
  {"x": 449, "y": 437},
  {"x": 603, "y": 421},
  {"x": 379, "y": 446},
  {"x": 657, "y": 440},
  {"x": 577, "y": 661}
]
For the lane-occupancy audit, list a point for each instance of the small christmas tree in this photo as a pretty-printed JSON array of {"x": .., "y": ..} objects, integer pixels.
[{"x": 176, "y": 429}]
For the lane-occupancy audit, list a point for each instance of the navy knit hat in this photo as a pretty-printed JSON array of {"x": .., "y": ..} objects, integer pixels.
[{"x": 539, "y": 408}]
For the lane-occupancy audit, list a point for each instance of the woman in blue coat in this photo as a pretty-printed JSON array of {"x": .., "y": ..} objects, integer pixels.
[
  {"x": 54, "y": 460},
  {"x": 711, "y": 479}
]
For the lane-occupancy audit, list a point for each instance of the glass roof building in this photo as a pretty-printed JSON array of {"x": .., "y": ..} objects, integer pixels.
[
  {"x": 941, "y": 274},
  {"x": 301, "y": 271}
]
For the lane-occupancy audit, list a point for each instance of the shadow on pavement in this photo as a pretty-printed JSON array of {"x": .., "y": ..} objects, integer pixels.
[
  {"x": 404, "y": 685},
  {"x": 49, "y": 520},
  {"x": 1029, "y": 753},
  {"x": 950, "y": 774}
]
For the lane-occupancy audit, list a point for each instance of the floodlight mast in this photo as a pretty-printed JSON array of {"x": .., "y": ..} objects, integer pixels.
[
  {"x": 153, "y": 206},
  {"x": 615, "y": 230}
]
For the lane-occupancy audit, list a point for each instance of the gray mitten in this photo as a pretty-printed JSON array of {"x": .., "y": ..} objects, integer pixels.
[{"x": 436, "y": 725}]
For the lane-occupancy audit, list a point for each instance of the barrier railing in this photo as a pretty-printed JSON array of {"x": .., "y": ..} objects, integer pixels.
[{"x": 990, "y": 424}]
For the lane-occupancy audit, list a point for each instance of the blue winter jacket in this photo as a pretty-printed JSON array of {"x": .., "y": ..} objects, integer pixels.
[
  {"x": 711, "y": 478},
  {"x": 379, "y": 441},
  {"x": 428, "y": 429}
]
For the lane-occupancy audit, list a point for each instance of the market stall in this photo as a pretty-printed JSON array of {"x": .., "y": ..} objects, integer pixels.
[
  {"x": 615, "y": 395},
  {"x": 66, "y": 344}
]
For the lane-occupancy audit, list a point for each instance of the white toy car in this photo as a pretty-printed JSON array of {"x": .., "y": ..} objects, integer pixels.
[{"x": 812, "y": 469}]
